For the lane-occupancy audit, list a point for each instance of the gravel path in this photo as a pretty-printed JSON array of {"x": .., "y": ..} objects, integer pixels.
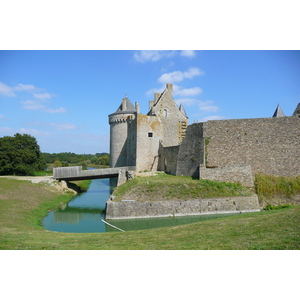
[{"x": 33, "y": 179}]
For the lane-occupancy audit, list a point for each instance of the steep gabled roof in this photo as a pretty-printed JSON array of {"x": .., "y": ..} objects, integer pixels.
[
  {"x": 278, "y": 112},
  {"x": 166, "y": 95}
]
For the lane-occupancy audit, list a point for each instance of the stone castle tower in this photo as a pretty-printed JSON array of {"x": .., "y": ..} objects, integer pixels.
[{"x": 136, "y": 139}]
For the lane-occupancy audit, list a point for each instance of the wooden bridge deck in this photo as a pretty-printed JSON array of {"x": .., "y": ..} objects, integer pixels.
[{"x": 76, "y": 173}]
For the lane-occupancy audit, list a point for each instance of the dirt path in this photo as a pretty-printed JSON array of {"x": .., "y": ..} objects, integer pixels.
[{"x": 33, "y": 179}]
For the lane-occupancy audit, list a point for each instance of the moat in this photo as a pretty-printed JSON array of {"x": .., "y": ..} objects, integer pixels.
[{"x": 84, "y": 213}]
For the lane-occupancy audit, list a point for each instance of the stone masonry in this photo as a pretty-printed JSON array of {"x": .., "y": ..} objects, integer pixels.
[{"x": 134, "y": 209}]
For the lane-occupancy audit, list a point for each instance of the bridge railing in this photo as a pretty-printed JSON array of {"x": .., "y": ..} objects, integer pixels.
[{"x": 65, "y": 172}]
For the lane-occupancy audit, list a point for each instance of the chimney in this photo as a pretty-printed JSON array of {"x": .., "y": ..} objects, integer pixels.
[
  {"x": 151, "y": 102},
  {"x": 170, "y": 88},
  {"x": 156, "y": 96},
  {"x": 137, "y": 107}
]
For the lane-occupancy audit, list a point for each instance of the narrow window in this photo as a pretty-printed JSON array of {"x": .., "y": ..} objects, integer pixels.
[
  {"x": 150, "y": 134},
  {"x": 165, "y": 113}
]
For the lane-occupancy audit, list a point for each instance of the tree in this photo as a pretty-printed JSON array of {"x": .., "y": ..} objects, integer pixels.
[
  {"x": 104, "y": 160},
  {"x": 57, "y": 164},
  {"x": 20, "y": 155}
]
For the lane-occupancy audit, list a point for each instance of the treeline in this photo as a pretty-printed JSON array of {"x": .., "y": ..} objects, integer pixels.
[
  {"x": 20, "y": 155},
  {"x": 65, "y": 159}
]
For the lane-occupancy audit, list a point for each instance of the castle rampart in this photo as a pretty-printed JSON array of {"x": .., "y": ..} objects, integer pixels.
[
  {"x": 225, "y": 149},
  {"x": 268, "y": 145}
]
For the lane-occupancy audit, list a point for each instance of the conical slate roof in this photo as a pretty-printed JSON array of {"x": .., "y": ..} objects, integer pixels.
[
  {"x": 129, "y": 106},
  {"x": 297, "y": 111},
  {"x": 278, "y": 112}
]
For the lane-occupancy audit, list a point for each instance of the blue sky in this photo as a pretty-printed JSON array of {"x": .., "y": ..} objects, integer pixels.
[{"x": 63, "y": 98}]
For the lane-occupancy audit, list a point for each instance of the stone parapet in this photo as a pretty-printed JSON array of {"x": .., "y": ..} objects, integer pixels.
[{"x": 128, "y": 209}]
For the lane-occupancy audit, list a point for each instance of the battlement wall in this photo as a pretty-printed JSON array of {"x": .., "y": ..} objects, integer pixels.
[{"x": 268, "y": 145}]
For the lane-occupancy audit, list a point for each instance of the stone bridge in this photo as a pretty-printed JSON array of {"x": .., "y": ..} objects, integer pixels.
[{"x": 76, "y": 173}]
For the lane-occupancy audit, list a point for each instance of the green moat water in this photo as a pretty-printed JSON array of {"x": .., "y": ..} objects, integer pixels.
[{"x": 85, "y": 211}]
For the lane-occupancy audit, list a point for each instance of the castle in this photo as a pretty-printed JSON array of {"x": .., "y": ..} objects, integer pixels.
[{"x": 227, "y": 150}]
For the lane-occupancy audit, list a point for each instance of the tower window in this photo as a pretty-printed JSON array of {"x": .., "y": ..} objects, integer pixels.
[
  {"x": 150, "y": 134},
  {"x": 165, "y": 113}
]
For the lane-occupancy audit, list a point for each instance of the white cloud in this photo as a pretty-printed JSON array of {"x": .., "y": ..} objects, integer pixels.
[
  {"x": 211, "y": 118},
  {"x": 32, "y": 105},
  {"x": 34, "y": 132},
  {"x": 178, "y": 76},
  {"x": 5, "y": 90},
  {"x": 55, "y": 110},
  {"x": 6, "y": 130},
  {"x": 151, "y": 92},
  {"x": 155, "y": 55},
  {"x": 187, "y": 101},
  {"x": 203, "y": 106},
  {"x": 36, "y": 105},
  {"x": 207, "y": 106},
  {"x": 25, "y": 87},
  {"x": 10, "y": 91},
  {"x": 188, "y": 53},
  {"x": 2, "y": 116},
  {"x": 10, "y": 131},
  {"x": 42, "y": 96},
  {"x": 189, "y": 92},
  {"x": 152, "y": 55},
  {"x": 63, "y": 126},
  {"x": 177, "y": 91}
]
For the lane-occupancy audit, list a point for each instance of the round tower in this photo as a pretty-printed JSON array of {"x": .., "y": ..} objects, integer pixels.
[{"x": 121, "y": 149}]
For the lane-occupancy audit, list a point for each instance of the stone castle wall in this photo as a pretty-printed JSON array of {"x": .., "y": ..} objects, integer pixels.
[
  {"x": 148, "y": 137},
  {"x": 191, "y": 151},
  {"x": 133, "y": 209},
  {"x": 228, "y": 148},
  {"x": 168, "y": 159},
  {"x": 242, "y": 174},
  {"x": 122, "y": 141},
  {"x": 268, "y": 145},
  {"x": 166, "y": 110}
]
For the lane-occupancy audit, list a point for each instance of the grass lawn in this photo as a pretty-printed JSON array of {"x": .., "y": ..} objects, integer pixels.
[
  {"x": 168, "y": 187},
  {"x": 23, "y": 204}
]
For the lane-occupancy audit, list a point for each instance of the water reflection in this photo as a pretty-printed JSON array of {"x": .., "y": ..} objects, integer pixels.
[{"x": 85, "y": 211}]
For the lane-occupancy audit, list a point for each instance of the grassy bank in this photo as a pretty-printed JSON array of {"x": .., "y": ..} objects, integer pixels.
[
  {"x": 81, "y": 186},
  {"x": 23, "y": 204},
  {"x": 277, "y": 191},
  {"x": 167, "y": 187}
]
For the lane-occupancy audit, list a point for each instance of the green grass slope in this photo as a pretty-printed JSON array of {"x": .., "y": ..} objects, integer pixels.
[{"x": 23, "y": 204}]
